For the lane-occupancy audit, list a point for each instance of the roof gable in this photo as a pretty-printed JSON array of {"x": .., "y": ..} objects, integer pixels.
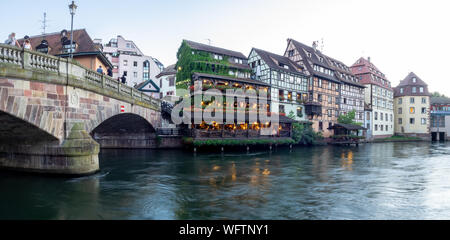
[{"x": 212, "y": 49}]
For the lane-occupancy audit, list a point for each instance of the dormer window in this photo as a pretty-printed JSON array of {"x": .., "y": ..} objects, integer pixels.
[
  {"x": 414, "y": 80},
  {"x": 285, "y": 67},
  {"x": 401, "y": 90},
  {"x": 308, "y": 54},
  {"x": 67, "y": 48},
  {"x": 218, "y": 57}
]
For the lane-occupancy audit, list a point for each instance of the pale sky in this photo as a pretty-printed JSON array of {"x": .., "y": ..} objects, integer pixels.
[{"x": 400, "y": 36}]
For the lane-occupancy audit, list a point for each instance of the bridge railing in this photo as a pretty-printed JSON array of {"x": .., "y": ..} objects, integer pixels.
[{"x": 85, "y": 78}]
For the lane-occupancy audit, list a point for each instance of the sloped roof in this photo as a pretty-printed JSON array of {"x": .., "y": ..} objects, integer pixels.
[
  {"x": 85, "y": 45},
  {"x": 170, "y": 70},
  {"x": 408, "y": 84},
  {"x": 274, "y": 61},
  {"x": 80, "y": 36},
  {"x": 365, "y": 69},
  {"x": 217, "y": 50},
  {"x": 350, "y": 127},
  {"x": 440, "y": 100},
  {"x": 310, "y": 61}
]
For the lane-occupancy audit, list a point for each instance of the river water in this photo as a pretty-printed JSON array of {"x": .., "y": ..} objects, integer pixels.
[{"x": 373, "y": 181}]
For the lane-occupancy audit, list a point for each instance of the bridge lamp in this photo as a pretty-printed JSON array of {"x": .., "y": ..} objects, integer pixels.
[{"x": 73, "y": 9}]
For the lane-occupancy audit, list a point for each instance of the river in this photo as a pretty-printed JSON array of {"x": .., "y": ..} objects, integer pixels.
[{"x": 372, "y": 181}]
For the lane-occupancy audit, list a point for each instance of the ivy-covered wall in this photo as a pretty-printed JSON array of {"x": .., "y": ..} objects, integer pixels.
[{"x": 202, "y": 62}]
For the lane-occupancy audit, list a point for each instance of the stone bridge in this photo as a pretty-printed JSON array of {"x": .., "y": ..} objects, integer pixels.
[{"x": 55, "y": 114}]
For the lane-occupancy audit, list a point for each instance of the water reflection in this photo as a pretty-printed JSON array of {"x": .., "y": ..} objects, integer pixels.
[{"x": 377, "y": 181}]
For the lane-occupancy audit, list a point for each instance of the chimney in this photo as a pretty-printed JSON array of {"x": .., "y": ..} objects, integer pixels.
[{"x": 368, "y": 59}]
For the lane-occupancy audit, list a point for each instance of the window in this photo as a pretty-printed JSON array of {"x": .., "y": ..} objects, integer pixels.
[
  {"x": 281, "y": 95},
  {"x": 376, "y": 116},
  {"x": 414, "y": 80},
  {"x": 412, "y": 110},
  {"x": 392, "y": 118},
  {"x": 376, "y": 127},
  {"x": 291, "y": 53},
  {"x": 424, "y": 110},
  {"x": 421, "y": 90},
  {"x": 381, "y": 116},
  {"x": 400, "y": 101},
  {"x": 400, "y": 121},
  {"x": 329, "y": 99},
  {"x": 171, "y": 81},
  {"x": 414, "y": 90},
  {"x": 282, "y": 109},
  {"x": 401, "y": 90},
  {"x": 135, "y": 64},
  {"x": 387, "y": 128},
  {"x": 300, "y": 112},
  {"x": 319, "y": 97},
  {"x": 320, "y": 126},
  {"x": 387, "y": 118},
  {"x": 330, "y": 112},
  {"x": 400, "y": 111},
  {"x": 411, "y": 100},
  {"x": 424, "y": 100},
  {"x": 424, "y": 121},
  {"x": 411, "y": 121},
  {"x": 135, "y": 74},
  {"x": 125, "y": 62}
]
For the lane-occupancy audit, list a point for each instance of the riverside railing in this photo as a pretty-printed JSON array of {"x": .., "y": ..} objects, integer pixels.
[{"x": 70, "y": 73}]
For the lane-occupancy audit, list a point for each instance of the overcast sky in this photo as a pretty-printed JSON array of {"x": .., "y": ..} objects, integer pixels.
[{"x": 399, "y": 36}]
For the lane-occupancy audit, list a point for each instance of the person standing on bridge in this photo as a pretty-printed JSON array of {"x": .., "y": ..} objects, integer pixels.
[
  {"x": 100, "y": 70},
  {"x": 12, "y": 40},
  {"x": 124, "y": 79},
  {"x": 110, "y": 72},
  {"x": 27, "y": 43}
]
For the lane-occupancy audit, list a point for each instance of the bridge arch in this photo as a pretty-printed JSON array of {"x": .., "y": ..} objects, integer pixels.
[
  {"x": 126, "y": 130},
  {"x": 14, "y": 129}
]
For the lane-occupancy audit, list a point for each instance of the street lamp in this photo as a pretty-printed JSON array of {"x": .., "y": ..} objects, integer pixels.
[{"x": 73, "y": 9}]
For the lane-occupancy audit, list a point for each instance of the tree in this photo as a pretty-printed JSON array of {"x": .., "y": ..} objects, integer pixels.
[
  {"x": 348, "y": 118},
  {"x": 437, "y": 94},
  {"x": 303, "y": 133}
]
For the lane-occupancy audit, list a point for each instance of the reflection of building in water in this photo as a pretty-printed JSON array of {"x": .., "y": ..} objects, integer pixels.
[
  {"x": 321, "y": 161},
  {"x": 378, "y": 152},
  {"x": 347, "y": 160}
]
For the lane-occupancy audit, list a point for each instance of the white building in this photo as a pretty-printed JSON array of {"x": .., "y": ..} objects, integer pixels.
[
  {"x": 379, "y": 96},
  {"x": 166, "y": 81},
  {"x": 288, "y": 81},
  {"x": 128, "y": 60}
]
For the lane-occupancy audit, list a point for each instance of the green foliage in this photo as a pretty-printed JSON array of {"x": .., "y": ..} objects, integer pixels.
[
  {"x": 303, "y": 133},
  {"x": 349, "y": 118},
  {"x": 201, "y": 62},
  {"x": 437, "y": 94}
]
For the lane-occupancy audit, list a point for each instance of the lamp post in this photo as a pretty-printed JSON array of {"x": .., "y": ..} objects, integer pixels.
[{"x": 73, "y": 9}]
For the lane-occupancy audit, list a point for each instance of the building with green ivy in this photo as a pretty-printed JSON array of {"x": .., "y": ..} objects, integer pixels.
[{"x": 202, "y": 67}]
